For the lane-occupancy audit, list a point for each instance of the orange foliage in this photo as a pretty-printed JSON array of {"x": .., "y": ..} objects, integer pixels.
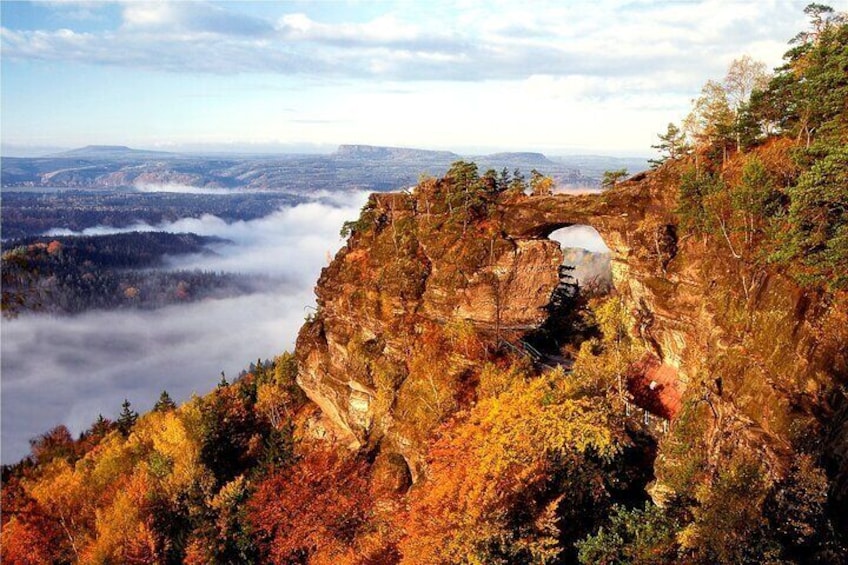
[
  {"x": 54, "y": 247},
  {"x": 28, "y": 536},
  {"x": 496, "y": 463},
  {"x": 196, "y": 553},
  {"x": 56, "y": 443},
  {"x": 99, "y": 509},
  {"x": 123, "y": 535},
  {"x": 776, "y": 157},
  {"x": 312, "y": 510},
  {"x": 25, "y": 543}
]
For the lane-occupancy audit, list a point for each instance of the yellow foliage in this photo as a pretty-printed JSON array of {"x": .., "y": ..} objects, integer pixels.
[
  {"x": 101, "y": 502},
  {"x": 64, "y": 495},
  {"x": 123, "y": 535},
  {"x": 480, "y": 464},
  {"x": 600, "y": 364},
  {"x": 495, "y": 380},
  {"x": 614, "y": 320},
  {"x": 272, "y": 401},
  {"x": 171, "y": 441}
]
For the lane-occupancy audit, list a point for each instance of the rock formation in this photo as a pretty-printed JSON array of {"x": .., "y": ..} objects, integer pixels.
[{"x": 412, "y": 261}]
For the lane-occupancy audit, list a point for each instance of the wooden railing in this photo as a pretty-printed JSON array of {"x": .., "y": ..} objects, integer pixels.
[{"x": 653, "y": 423}]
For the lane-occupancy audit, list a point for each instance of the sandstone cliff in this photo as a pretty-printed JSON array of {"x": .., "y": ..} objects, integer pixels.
[{"x": 756, "y": 357}]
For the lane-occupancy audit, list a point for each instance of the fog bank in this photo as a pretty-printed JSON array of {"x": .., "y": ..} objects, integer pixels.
[{"x": 67, "y": 370}]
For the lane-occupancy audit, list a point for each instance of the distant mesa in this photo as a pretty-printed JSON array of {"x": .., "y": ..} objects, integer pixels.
[
  {"x": 379, "y": 152},
  {"x": 523, "y": 156},
  {"x": 363, "y": 167},
  {"x": 109, "y": 152},
  {"x": 376, "y": 152},
  {"x": 109, "y": 148}
]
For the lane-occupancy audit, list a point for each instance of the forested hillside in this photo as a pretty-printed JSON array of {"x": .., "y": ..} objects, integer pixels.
[
  {"x": 74, "y": 274},
  {"x": 456, "y": 398}
]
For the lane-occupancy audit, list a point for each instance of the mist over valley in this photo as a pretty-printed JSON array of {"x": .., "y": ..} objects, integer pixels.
[
  {"x": 239, "y": 293},
  {"x": 60, "y": 369}
]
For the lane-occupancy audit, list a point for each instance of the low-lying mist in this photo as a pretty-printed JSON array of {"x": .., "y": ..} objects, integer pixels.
[
  {"x": 185, "y": 189},
  {"x": 67, "y": 370}
]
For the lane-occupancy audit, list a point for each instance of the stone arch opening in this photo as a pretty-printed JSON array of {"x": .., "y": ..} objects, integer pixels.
[
  {"x": 585, "y": 272},
  {"x": 586, "y": 252}
]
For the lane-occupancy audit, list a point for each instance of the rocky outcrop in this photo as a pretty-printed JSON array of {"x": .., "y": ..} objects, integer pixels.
[
  {"x": 404, "y": 271},
  {"x": 762, "y": 351}
]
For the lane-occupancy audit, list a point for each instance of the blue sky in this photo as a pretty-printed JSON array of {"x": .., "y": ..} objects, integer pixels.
[{"x": 558, "y": 77}]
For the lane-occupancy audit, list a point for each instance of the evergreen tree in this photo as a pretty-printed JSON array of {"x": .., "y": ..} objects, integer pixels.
[
  {"x": 817, "y": 237},
  {"x": 101, "y": 426},
  {"x": 517, "y": 183},
  {"x": 806, "y": 98},
  {"x": 164, "y": 404},
  {"x": 504, "y": 180},
  {"x": 127, "y": 418},
  {"x": 692, "y": 195},
  {"x": 611, "y": 178},
  {"x": 671, "y": 146}
]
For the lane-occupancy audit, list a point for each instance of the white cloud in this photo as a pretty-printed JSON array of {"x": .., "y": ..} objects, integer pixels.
[
  {"x": 383, "y": 31},
  {"x": 405, "y": 43},
  {"x": 604, "y": 76},
  {"x": 194, "y": 16},
  {"x": 67, "y": 370}
]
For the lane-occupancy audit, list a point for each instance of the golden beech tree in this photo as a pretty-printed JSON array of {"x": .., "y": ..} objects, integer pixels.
[
  {"x": 175, "y": 455},
  {"x": 66, "y": 498},
  {"x": 504, "y": 464},
  {"x": 98, "y": 509},
  {"x": 123, "y": 534}
]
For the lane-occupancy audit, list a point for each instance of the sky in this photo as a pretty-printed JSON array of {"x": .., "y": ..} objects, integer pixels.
[{"x": 561, "y": 77}]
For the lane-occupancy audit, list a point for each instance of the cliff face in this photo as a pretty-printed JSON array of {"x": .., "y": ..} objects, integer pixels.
[
  {"x": 760, "y": 352},
  {"x": 402, "y": 279}
]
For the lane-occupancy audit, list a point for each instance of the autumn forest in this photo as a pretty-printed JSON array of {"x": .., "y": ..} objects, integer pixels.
[{"x": 457, "y": 396}]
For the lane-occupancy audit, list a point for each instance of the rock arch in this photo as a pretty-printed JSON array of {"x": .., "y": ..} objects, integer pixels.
[{"x": 610, "y": 213}]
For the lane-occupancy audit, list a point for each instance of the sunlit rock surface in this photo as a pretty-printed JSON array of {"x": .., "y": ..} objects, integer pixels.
[{"x": 405, "y": 266}]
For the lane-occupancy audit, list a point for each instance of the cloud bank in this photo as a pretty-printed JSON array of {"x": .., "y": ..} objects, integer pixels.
[
  {"x": 67, "y": 370},
  {"x": 291, "y": 243},
  {"x": 185, "y": 189},
  {"x": 626, "y": 40}
]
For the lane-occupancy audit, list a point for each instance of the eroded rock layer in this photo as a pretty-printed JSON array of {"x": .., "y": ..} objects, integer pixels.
[{"x": 762, "y": 353}]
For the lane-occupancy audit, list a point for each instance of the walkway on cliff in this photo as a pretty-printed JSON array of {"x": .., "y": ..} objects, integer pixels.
[
  {"x": 643, "y": 414},
  {"x": 538, "y": 358}
]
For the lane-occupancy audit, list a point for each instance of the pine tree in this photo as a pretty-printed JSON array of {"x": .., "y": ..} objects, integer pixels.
[
  {"x": 164, "y": 404},
  {"x": 611, "y": 178},
  {"x": 671, "y": 146},
  {"x": 101, "y": 426},
  {"x": 127, "y": 418}
]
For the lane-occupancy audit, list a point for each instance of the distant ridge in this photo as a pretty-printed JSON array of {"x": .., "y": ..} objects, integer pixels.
[
  {"x": 380, "y": 152},
  {"x": 377, "y": 152},
  {"x": 522, "y": 155},
  {"x": 109, "y": 152},
  {"x": 359, "y": 166}
]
